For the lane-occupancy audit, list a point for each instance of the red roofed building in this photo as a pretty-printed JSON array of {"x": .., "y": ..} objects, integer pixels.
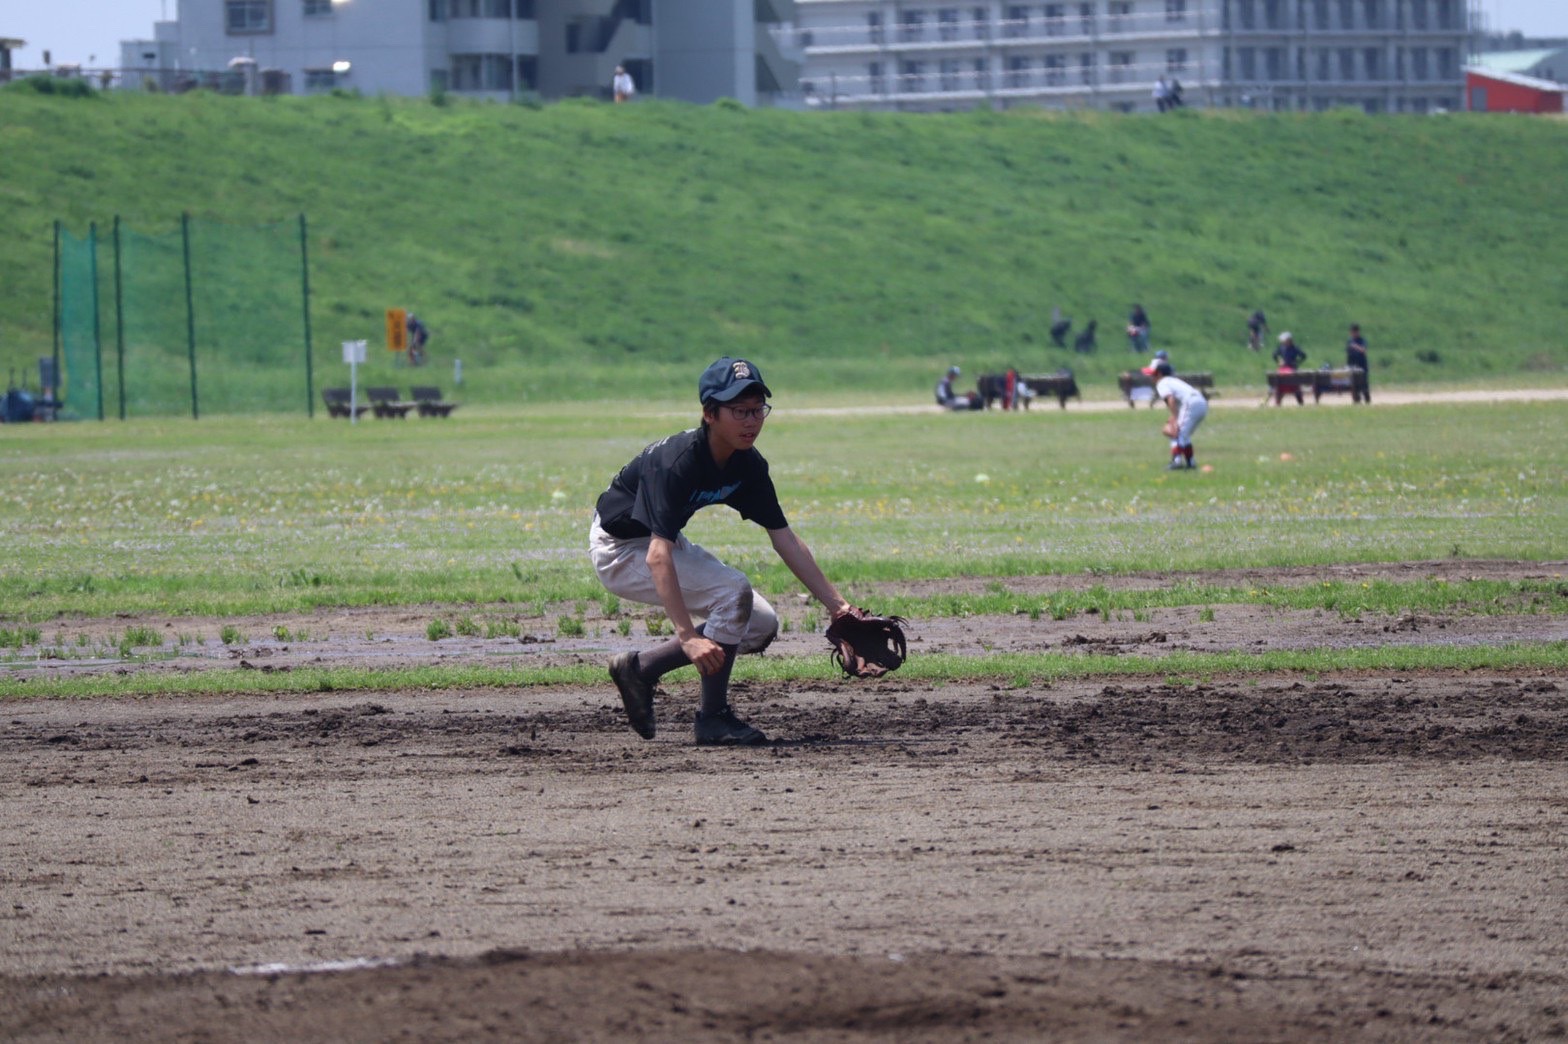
[{"x": 1492, "y": 90}]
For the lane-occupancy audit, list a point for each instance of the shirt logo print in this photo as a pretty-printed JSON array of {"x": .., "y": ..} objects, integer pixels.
[{"x": 704, "y": 497}]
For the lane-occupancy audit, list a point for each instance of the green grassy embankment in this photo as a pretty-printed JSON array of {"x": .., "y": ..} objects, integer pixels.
[{"x": 588, "y": 251}]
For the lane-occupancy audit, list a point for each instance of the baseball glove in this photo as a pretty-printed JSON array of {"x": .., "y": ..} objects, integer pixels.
[
  {"x": 866, "y": 645},
  {"x": 1170, "y": 428}
]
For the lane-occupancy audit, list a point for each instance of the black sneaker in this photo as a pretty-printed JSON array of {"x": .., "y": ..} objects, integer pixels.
[
  {"x": 724, "y": 729},
  {"x": 636, "y": 694}
]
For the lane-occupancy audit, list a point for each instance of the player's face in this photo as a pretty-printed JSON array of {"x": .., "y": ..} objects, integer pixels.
[{"x": 738, "y": 423}]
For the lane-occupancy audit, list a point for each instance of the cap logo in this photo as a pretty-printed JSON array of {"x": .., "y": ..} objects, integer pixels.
[{"x": 740, "y": 370}]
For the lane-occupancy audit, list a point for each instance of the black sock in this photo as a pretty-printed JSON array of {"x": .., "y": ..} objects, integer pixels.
[
  {"x": 655, "y": 663},
  {"x": 716, "y": 686}
]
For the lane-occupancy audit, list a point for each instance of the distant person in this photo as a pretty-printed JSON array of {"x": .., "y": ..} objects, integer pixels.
[
  {"x": 1289, "y": 356},
  {"x": 418, "y": 334},
  {"x": 1356, "y": 359},
  {"x": 1173, "y": 95},
  {"x": 1138, "y": 329},
  {"x": 1257, "y": 325},
  {"x": 1187, "y": 408},
  {"x": 947, "y": 398},
  {"x": 1162, "y": 95},
  {"x": 622, "y": 86},
  {"x": 1086, "y": 341},
  {"x": 1061, "y": 326}
]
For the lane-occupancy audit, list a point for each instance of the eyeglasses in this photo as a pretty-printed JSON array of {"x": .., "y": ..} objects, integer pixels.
[{"x": 748, "y": 412}]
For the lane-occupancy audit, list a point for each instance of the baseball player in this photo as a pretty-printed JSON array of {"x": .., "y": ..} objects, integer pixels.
[
  {"x": 639, "y": 553},
  {"x": 1188, "y": 408}
]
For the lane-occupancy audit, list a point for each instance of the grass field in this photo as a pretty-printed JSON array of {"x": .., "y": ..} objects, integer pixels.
[
  {"x": 580, "y": 250},
  {"x": 264, "y": 516}
]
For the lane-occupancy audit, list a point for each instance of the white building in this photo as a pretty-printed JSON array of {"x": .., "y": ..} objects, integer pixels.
[
  {"x": 925, "y": 55},
  {"x": 694, "y": 50}
]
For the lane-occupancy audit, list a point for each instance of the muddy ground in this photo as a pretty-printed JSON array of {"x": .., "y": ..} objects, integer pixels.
[{"x": 1351, "y": 856}]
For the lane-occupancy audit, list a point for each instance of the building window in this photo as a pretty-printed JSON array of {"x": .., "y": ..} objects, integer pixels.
[
  {"x": 913, "y": 27},
  {"x": 318, "y": 8},
  {"x": 1274, "y": 61},
  {"x": 1273, "y": 14},
  {"x": 875, "y": 79},
  {"x": 1373, "y": 11},
  {"x": 1017, "y": 72},
  {"x": 1372, "y": 57},
  {"x": 438, "y": 80},
  {"x": 1176, "y": 60},
  {"x": 320, "y": 80},
  {"x": 1086, "y": 19},
  {"x": 1247, "y": 62},
  {"x": 1320, "y": 14},
  {"x": 874, "y": 28},
  {"x": 438, "y": 14},
  {"x": 982, "y": 75},
  {"x": 1448, "y": 64},
  {"x": 1347, "y": 65},
  {"x": 1121, "y": 66},
  {"x": 1017, "y": 24},
  {"x": 947, "y": 23},
  {"x": 480, "y": 8},
  {"x": 1347, "y": 14},
  {"x": 247, "y": 16},
  {"x": 914, "y": 76},
  {"x": 1325, "y": 71},
  {"x": 1418, "y": 64},
  {"x": 1120, "y": 11},
  {"x": 982, "y": 19},
  {"x": 1055, "y": 23},
  {"x": 1246, "y": 14},
  {"x": 528, "y": 72},
  {"x": 1175, "y": 10},
  {"x": 1055, "y": 70},
  {"x": 481, "y": 72},
  {"x": 1086, "y": 69}
]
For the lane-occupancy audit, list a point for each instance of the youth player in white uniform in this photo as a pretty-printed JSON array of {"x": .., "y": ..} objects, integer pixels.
[{"x": 1188, "y": 408}]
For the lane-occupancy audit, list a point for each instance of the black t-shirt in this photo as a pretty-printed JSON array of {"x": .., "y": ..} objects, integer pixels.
[
  {"x": 671, "y": 480},
  {"x": 1356, "y": 352}
]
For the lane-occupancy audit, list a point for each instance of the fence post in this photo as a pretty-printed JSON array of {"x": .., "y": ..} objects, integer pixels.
[
  {"x": 92, "y": 268},
  {"x": 190, "y": 311},
  {"x": 119, "y": 320},
  {"x": 304, "y": 272}
]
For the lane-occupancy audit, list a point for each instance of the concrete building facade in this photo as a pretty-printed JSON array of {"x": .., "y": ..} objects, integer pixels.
[
  {"x": 693, "y": 50},
  {"x": 933, "y": 55}
]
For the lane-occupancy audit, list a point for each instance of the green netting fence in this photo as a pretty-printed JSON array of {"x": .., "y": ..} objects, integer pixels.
[
  {"x": 78, "y": 330},
  {"x": 207, "y": 319}
]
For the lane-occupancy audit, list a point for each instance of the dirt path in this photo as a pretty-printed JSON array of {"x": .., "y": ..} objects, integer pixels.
[{"x": 1361, "y": 856}]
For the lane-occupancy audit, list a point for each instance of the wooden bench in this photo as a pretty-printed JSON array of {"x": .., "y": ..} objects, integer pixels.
[
  {"x": 428, "y": 401},
  {"x": 1331, "y": 381},
  {"x": 1061, "y": 385},
  {"x": 994, "y": 387},
  {"x": 1320, "y": 382},
  {"x": 386, "y": 403},
  {"x": 337, "y": 400},
  {"x": 1131, "y": 380}
]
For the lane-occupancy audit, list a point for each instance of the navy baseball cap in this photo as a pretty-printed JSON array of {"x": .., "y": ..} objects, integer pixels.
[{"x": 729, "y": 379}]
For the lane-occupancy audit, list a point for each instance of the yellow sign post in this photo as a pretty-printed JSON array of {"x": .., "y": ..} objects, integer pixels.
[{"x": 397, "y": 330}]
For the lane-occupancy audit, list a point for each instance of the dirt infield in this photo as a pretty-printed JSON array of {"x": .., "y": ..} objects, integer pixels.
[{"x": 1365, "y": 856}]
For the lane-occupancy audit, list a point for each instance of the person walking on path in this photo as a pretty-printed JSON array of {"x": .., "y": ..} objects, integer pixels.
[
  {"x": 622, "y": 86},
  {"x": 639, "y": 553}
]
